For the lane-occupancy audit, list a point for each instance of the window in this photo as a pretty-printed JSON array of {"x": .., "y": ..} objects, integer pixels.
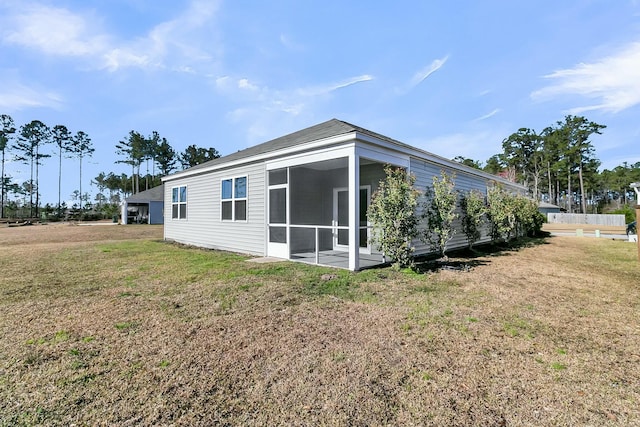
[
  {"x": 234, "y": 199},
  {"x": 179, "y": 202}
]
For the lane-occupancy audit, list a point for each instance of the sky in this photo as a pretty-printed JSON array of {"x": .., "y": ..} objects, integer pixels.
[{"x": 451, "y": 77}]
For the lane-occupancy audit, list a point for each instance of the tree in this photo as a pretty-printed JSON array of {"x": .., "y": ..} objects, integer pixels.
[
  {"x": 468, "y": 162},
  {"x": 6, "y": 133},
  {"x": 522, "y": 151},
  {"x": 578, "y": 131},
  {"x": 62, "y": 138},
  {"x": 32, "y": 136},
  {"x": 165, "y": 157},
  {"x": 440, "y": 212},
  {"x": 392, "y": 213},
  {"x": 494, "y": 165},
  {"x": 134, "y": 149},
  {"x": 193, "y": 156},
  {"x": 81, "y": 146},
  {"x": 473, "y": 210}
]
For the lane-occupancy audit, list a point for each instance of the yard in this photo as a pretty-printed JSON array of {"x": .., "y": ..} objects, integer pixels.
[{"x": 109, "y": 325}]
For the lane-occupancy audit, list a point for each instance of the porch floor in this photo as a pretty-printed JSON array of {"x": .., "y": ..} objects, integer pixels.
[{"x": 339, "y": 259}]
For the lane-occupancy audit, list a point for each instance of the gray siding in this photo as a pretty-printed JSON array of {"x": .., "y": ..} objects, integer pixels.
[
  {"x": 424, "y": 172},
  {"x": 203, "y": 226}
]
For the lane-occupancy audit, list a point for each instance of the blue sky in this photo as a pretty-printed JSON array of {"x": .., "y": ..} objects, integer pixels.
[{"x": 454, "y": 78}]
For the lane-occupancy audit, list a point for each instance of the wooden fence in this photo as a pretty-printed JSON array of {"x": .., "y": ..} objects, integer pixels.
[{"x": 591, "y": 219}]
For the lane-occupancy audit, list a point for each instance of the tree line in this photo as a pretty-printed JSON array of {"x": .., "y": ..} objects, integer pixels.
[
  {"x": 27, "y": 144},
  {"x": 559, "y": 165}
]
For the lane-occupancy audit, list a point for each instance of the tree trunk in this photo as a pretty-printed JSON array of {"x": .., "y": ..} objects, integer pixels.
[
  {"x": 569, "y": 195},
  {"x": 582, "y": 195},
  {"x": 2, "y": 189},
  {"x": 551, "y": 198}
]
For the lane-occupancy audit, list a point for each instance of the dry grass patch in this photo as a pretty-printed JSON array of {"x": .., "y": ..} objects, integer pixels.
[{"x": 110, "y": 331}]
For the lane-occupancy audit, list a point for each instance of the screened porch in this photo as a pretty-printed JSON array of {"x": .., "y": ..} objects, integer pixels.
[{"x": 309, "y": 212}]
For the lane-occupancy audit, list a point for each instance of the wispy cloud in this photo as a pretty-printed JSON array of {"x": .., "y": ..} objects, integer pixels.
[
  {"x": 331, "y": 87},
  {"x": 290, "y": 44},
  {"x": 488, "y": 115},
  {"x": 15, "y": 96},
  {"x": 613, "y": 82},
  {"x": 53, "y": 31},
  {"x": 57, "y": 31},
  {"x": 422, "y": 75}
]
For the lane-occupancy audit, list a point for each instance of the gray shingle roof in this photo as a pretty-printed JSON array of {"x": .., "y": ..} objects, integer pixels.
[
  {"x": 328, "y": 129},
  {"x": 153, "y": 194}
]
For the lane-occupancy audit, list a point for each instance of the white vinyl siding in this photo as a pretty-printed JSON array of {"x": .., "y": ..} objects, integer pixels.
[
  {"x": 424, "y": 172},
  {"x": 204, "y": 228}
]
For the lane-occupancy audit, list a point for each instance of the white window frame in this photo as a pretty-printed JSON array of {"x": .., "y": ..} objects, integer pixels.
[
  {"x": 179, "y": 203},
  {"x": 234, "y": 198}
]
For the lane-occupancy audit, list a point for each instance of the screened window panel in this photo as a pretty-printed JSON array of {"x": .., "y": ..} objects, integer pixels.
[
  {"x": 241, "y": 210},
  {"x": 278, "y": 206},
  {"x": 278, "y": 176},
  {"x": 227, "y": 210},
  {"x": 174, "y": 211},
  {"x": 183, "y": 211},
  {"x": 278, "y": 234}
]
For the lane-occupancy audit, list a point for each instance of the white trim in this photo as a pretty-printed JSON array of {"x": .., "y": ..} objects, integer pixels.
[
  {"x": 325, "y": 142},
  {"x": 234, "y": 199},
  {"x": 300, "y": 159}
]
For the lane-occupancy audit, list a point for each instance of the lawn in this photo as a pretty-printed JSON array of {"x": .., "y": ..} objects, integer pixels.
[{"x": 109, "y": 325}]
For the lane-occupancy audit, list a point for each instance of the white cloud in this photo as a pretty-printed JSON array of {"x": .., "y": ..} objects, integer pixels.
[
  {"x": 613, "y": 82},
  {"x": 15, "y": 96},
  {"x": 421, "y": 75},
  {"x": 54, "y": 31},
  {"x": 331, "y": 87},
  {"x": 60, "y": 32},
  {"x": 488, "y": 115}
]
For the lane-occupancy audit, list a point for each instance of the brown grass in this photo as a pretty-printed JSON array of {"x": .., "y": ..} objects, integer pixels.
[{"x": 100, "y": 330}]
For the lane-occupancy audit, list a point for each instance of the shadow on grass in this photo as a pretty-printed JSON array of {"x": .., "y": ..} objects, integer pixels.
[{"x": 467, "y": 259}]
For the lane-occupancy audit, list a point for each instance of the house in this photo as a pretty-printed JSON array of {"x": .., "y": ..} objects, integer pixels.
[
  {"x": 547, "y": 208},
  {"x": 302, "y": 196},
  {"x": 145, "y": 207}
]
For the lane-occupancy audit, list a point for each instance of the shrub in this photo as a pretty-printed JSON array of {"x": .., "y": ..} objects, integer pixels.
[
  {"x": 440, "y": 212},
  {"x": 392, "y": 213}
]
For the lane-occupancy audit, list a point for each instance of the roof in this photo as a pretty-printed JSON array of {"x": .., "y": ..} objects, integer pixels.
[
  {"x": 546, "y": 205},
  {"x": 330, "y": 128},
  {"x": 155, "y": 194}
]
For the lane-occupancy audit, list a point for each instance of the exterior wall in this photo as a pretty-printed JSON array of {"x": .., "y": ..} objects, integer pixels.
[
  {"x": 156, "y": 212},
  {"x": 204, "y": 227},
  {"x": 424, "y": 172}
]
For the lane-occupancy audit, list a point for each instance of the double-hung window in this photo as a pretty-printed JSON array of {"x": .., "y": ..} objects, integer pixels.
[
  {"x": 234, "y": 199},
  {"x": 179, "y": 202}
]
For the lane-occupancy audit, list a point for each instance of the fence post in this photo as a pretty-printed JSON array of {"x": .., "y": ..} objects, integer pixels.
[{"x": 637, "y": 227}]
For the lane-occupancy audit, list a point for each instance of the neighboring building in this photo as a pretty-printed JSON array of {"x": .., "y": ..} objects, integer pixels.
[
  {"x": 302, "y": 196},
  {"x": 145, "y": 207},
  {"x": 547, "y": 208}
]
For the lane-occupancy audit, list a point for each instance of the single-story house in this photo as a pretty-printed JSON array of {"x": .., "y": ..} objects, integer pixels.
[
  {"x": 145, "y": 207},
  {"x": 303, "y": 196},
  {"x": 547, "y": 208}
]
